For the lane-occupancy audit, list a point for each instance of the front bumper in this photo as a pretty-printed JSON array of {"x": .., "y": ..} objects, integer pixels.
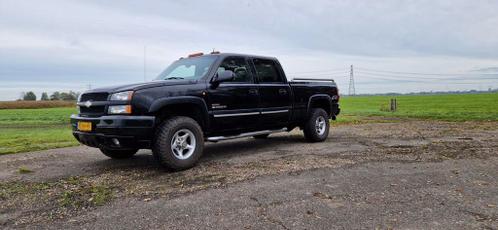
[{"x": 129, "y": 131}]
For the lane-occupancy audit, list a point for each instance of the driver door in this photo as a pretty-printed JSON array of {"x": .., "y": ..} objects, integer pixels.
[{"x": 234, "y": 104}]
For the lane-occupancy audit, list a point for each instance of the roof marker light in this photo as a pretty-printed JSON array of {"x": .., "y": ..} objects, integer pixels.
[{"x": 196, "y": 54}]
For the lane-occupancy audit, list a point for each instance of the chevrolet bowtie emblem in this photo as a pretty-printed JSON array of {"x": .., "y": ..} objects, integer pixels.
[{"x": 88, "y": 104}]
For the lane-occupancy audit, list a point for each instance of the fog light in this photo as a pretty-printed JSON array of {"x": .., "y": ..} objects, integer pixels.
[
  {"x": 119, "y": 109},
  {"x": 115, "y": 141}
]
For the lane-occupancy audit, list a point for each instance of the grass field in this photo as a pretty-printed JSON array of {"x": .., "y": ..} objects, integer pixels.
[
  {"x": 21, "y": 118},
  {"x": 37, "y": 125},
  {"x": 15, "y": 140},
  {"x": 23, "y": 130},
  {"x": 449, "y": 107}
]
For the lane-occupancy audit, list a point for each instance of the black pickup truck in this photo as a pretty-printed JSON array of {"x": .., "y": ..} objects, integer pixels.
[{"x": 212, "y": 97}]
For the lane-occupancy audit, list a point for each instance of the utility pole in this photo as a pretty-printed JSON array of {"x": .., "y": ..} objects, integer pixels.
[
  {"x": 351, "y": 83},
  {"x": 145, "y": 63}
]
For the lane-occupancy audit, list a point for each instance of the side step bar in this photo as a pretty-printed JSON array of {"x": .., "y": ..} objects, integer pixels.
[{"x": 249, "y": 134}]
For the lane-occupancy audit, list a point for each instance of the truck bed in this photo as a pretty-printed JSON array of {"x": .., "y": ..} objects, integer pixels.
[{"x": 306, "y": 88}]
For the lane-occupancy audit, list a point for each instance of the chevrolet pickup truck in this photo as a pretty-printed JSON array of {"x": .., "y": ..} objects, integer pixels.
[{"x": 203, "y": 97}]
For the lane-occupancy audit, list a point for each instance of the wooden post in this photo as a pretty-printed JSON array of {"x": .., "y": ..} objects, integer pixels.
[{"x": 393, "y": 105}]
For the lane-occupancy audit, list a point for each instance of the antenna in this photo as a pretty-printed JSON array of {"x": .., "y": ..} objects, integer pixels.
[
  {"x": 351, "y": 83},
  {"x": 145, "y": 63}
]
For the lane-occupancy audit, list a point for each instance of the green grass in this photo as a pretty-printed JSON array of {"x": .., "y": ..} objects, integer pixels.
[
  {"x": 35, "y": 117},
  {"x": 24, "y": 170},
  {"x": 79, "y": 192},
  {"x": 72, "y": 192},
  {"x": 450, "y": 107},
  {"x": 24, "y": 130},
  {"x": 15, "y": 140}
]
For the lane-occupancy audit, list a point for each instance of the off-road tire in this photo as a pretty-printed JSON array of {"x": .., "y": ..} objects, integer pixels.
[
  {"x": 310, "y": 130},
  {"x": 262, "y": 136},
  {"x": 119, "y": 153},
  {"x": 161, "y": 147}
]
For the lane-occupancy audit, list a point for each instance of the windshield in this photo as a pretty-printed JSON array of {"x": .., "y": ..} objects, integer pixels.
[{"x": 188, "y": 68}]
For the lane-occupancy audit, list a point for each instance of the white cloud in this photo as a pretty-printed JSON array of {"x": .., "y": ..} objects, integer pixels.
[{"x": 102, "y": 41}]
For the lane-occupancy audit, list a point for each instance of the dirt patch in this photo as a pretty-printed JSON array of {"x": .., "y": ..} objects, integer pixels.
[{"x": 59, "y": 184}]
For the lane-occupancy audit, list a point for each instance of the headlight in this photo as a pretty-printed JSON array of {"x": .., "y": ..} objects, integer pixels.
[
  {"x": 119, "y": 109},
  {"x": 123, "y": 96}
]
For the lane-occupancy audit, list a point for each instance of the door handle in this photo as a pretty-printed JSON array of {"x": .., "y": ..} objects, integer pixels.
[
  {"x": 282, "y": 91},
  {"x": 253, "y": 91}
]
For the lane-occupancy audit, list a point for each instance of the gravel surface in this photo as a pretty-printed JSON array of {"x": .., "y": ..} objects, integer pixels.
[{"x": 389, "y": 174}]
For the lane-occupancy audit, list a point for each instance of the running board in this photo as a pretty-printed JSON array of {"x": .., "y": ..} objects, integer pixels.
[{"x": 249, "y": 134}]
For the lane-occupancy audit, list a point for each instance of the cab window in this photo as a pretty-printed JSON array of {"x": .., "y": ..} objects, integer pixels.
[
  {"x": 267, "y": 71},
  {"x": 239, "y": 66}
]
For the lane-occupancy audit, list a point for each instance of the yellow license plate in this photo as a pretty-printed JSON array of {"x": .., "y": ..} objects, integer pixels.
[{"x": 84, "y": 126}]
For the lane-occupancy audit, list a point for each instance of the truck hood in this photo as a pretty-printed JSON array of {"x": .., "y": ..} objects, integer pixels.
[{"x": 139, "y": 86}]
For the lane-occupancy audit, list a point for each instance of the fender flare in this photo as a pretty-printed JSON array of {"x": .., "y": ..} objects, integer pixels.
[
  {"x": 318, "y": 97},
  {"x": 167, "y": 101}
]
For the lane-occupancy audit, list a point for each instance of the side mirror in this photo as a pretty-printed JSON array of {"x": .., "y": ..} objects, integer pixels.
[{"x": 226, "y": 75}]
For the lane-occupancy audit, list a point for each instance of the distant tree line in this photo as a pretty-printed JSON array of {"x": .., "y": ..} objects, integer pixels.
[
  {"x": 55, "y": 96},
  {"x": 490, "y": 90}
]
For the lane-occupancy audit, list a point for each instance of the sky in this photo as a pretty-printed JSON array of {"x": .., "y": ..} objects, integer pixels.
[{"x": 394, "y": 46}]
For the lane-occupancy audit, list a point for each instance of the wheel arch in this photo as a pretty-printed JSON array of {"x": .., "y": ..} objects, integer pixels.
[
  {"x": 323, "y": 101},
  {"x": 190, "y": 106}
]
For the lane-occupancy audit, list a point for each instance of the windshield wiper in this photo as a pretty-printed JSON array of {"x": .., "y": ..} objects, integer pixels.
[{"x": 173, "y": 78}]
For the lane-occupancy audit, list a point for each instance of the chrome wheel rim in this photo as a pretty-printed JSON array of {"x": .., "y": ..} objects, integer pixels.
[
  {"x": 183, "y": 144},
  {"x": 320, "y": 125}
]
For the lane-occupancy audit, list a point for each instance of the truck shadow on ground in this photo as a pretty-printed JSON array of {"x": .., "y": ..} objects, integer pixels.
[
  {"x": 247, "y": 146},
  {"x": 212, "y": 152}
]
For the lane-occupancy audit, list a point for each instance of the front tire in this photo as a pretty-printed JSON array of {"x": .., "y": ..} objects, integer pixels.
[
  {"x": 316, "y": 128},
  {"x": 178, "y": 143},
  {"x": 119, "y": 153}
]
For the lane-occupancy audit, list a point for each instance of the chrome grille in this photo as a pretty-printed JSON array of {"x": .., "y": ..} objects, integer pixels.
[
  {"x": 94, "y": 97},
  {"x": 93, "y": 110}
]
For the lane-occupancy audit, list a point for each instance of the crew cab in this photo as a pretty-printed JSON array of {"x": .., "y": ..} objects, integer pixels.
[{"x": 203, "y": 97}]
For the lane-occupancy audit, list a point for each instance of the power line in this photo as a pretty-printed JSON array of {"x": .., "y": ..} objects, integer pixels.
[
  {"x": 390, "y": 80},
  {"x": 399, "y": 77},
  {"x": 414, "y": 73},
  {"x": 321, "y": 74},
  {"x": 321, "y": 71}
]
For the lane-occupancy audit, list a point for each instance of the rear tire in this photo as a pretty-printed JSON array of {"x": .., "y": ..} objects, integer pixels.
[
  {"x": 316, "y": 128},
  {"x": 119, "y": 153},
  {"x": 178, "y": 143},
  {"x": 262, "y": 136}
]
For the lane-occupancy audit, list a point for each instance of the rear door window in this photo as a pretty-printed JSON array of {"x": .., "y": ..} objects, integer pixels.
[{"x": 267, "y": 71}]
